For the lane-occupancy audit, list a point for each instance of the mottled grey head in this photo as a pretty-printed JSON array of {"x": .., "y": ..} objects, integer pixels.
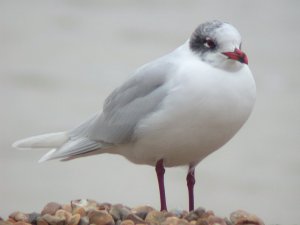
[{"x": 215, "y": 42}]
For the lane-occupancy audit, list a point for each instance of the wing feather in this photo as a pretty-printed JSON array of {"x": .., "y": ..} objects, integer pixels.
[{"x": 133, "y": 101}]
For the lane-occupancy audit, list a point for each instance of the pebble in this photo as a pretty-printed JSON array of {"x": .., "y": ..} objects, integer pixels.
[
  {"x": 86, "y": 212},
  {"x": 21, "y": 223},
  {"x": 241, "y": 217},
  {"x": 73, "y": 220},
  {"x": 2, "y": 222},
  {"x": 53, "y": 220},
  {"x": 32, "y": 217},
  {"x": 67, "y": 207},
  {"x": 100, "y": 218},
  {"x": 86, "y": 204},
  {"x": 135, "y": 219},
  {"x": 84, "y": 221},
  {"x": 119, "y": 212},
  {"x": 127, "y": 222},
  {"x": 155, "y": 217},
  {"x": 51, "y": 208},
  {"x": 178, "y": 213},
  {"x": 19, "y": 216},
  {"x": 227, "y": 221},
  {"x": 41, "y": 221},
  {"x": 81, "y": 211},
  {"x": 200, "y": 211},
  {"x": 207, "y": 214},
  {"x": 62, "y": 214},
  {"x": 175, "y": 221},
  {"x": 142, "y": 211},
  {"x": 211, "y": 220},
  {"x": 191, "y": 216},
  {"x": 104, "y": 206},
  {"x": 8, "y": 222}
]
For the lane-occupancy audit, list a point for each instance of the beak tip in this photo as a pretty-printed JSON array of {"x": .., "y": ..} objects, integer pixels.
[{"x": 237, "y": 55}]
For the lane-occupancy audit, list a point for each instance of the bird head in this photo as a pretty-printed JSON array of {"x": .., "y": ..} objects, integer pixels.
[{"x": 218, "y": 44}]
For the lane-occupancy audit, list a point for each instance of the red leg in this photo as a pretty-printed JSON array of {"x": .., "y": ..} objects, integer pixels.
[
  {"x": 160, "y": 171},
  {"x": 190, "y": 180}
]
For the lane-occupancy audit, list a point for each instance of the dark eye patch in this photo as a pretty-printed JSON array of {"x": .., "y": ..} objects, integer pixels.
[{"x": 201, "y": 40}]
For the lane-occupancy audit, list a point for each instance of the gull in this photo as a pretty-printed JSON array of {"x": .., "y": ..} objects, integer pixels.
[{"x": 173, "y": 111}]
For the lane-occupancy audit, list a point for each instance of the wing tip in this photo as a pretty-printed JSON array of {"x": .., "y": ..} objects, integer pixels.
[
  {"x": 48, "y": 156},
  {"x": 20, "y": 145}
]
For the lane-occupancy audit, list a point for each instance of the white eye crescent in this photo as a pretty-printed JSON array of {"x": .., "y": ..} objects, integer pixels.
[{"x": 209, "y": 43}]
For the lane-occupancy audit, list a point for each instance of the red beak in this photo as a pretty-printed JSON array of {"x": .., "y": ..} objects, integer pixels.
[{"x": 237, "y": 55}]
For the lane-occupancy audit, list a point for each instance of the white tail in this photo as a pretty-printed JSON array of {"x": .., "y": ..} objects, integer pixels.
[
  {"x": 52, "y": 140},
  {"x": 61, "y": 144}
]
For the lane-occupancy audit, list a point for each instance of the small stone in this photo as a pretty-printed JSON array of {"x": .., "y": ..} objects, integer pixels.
[
  {"x": 175, "y": 221},
  {"x": 63, "y": 214},
  {"x": 67, "y": 207},
  {"x": 74, "y": 220},
  {"x": 135, "y": 219},
  {"x": 211, "y": 220},
  {"x": 156, "y": 217},
  {"x": 21, "y": 223},
  {"x": 195, "y": 214},
  {"x": 104, "y": 206},
  {"x": 84, "y": 221},
  {"x": 10, "y": 221},
  {"x": 32, "y": 218},
  {"x": 199, "y": 211},
  {"x": 41, "y": 221},
  {"x": 177, "y": 213},
  {"x": 81, "y": 211},
  {"x": 19, "y": 216},
  {"x": 127, "y": 222},
  {"x": 184, "y": 213},
  {"x": 119, "y": 212},
  {"x": 227, "y": 221},
  {"x": 100, "y": 218},
  {"x": 241, "y": 217},
  {"x": 142, "y": 211},
  {"x": 118, "y": 222},
  {"x": 51, "y": 208},
  {"x": 193, "y": 222},
  {"x": 207, "y": 214},
  {"x": 191, "y": 216},
  {"x": 7, "y": 222},
  {"x": 54, "y": 220},
  {"x": 13, "y": 214},
  {"x": 87, "y": 204}
]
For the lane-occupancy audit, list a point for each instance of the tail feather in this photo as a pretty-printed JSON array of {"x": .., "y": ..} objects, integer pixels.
[
  {"x": 62, "y": 146},
  {"x": 52, "y": 140},
  {"x": 47, "y": 156},
  {"x": 73, "y": 147}
]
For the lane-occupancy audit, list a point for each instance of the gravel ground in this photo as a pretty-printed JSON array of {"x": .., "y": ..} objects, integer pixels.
[
  {"x": 84, "y": 212},
  {"x": 59, "y": 59}
]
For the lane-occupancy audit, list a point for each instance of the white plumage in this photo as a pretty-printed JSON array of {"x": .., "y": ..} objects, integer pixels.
[{"x": 178, "y": 108}]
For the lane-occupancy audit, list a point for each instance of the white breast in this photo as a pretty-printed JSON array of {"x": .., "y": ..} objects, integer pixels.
[{"x": 204, "y": 109}]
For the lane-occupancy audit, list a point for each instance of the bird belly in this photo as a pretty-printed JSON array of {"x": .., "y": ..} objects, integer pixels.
[{"x": 186, "y": 129}]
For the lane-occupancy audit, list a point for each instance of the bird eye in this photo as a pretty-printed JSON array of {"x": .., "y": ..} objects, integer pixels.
[{"x": 208, "y": 43}]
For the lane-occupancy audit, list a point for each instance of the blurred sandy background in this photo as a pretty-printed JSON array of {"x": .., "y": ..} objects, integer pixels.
[{"x": 60, "y": 59}]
